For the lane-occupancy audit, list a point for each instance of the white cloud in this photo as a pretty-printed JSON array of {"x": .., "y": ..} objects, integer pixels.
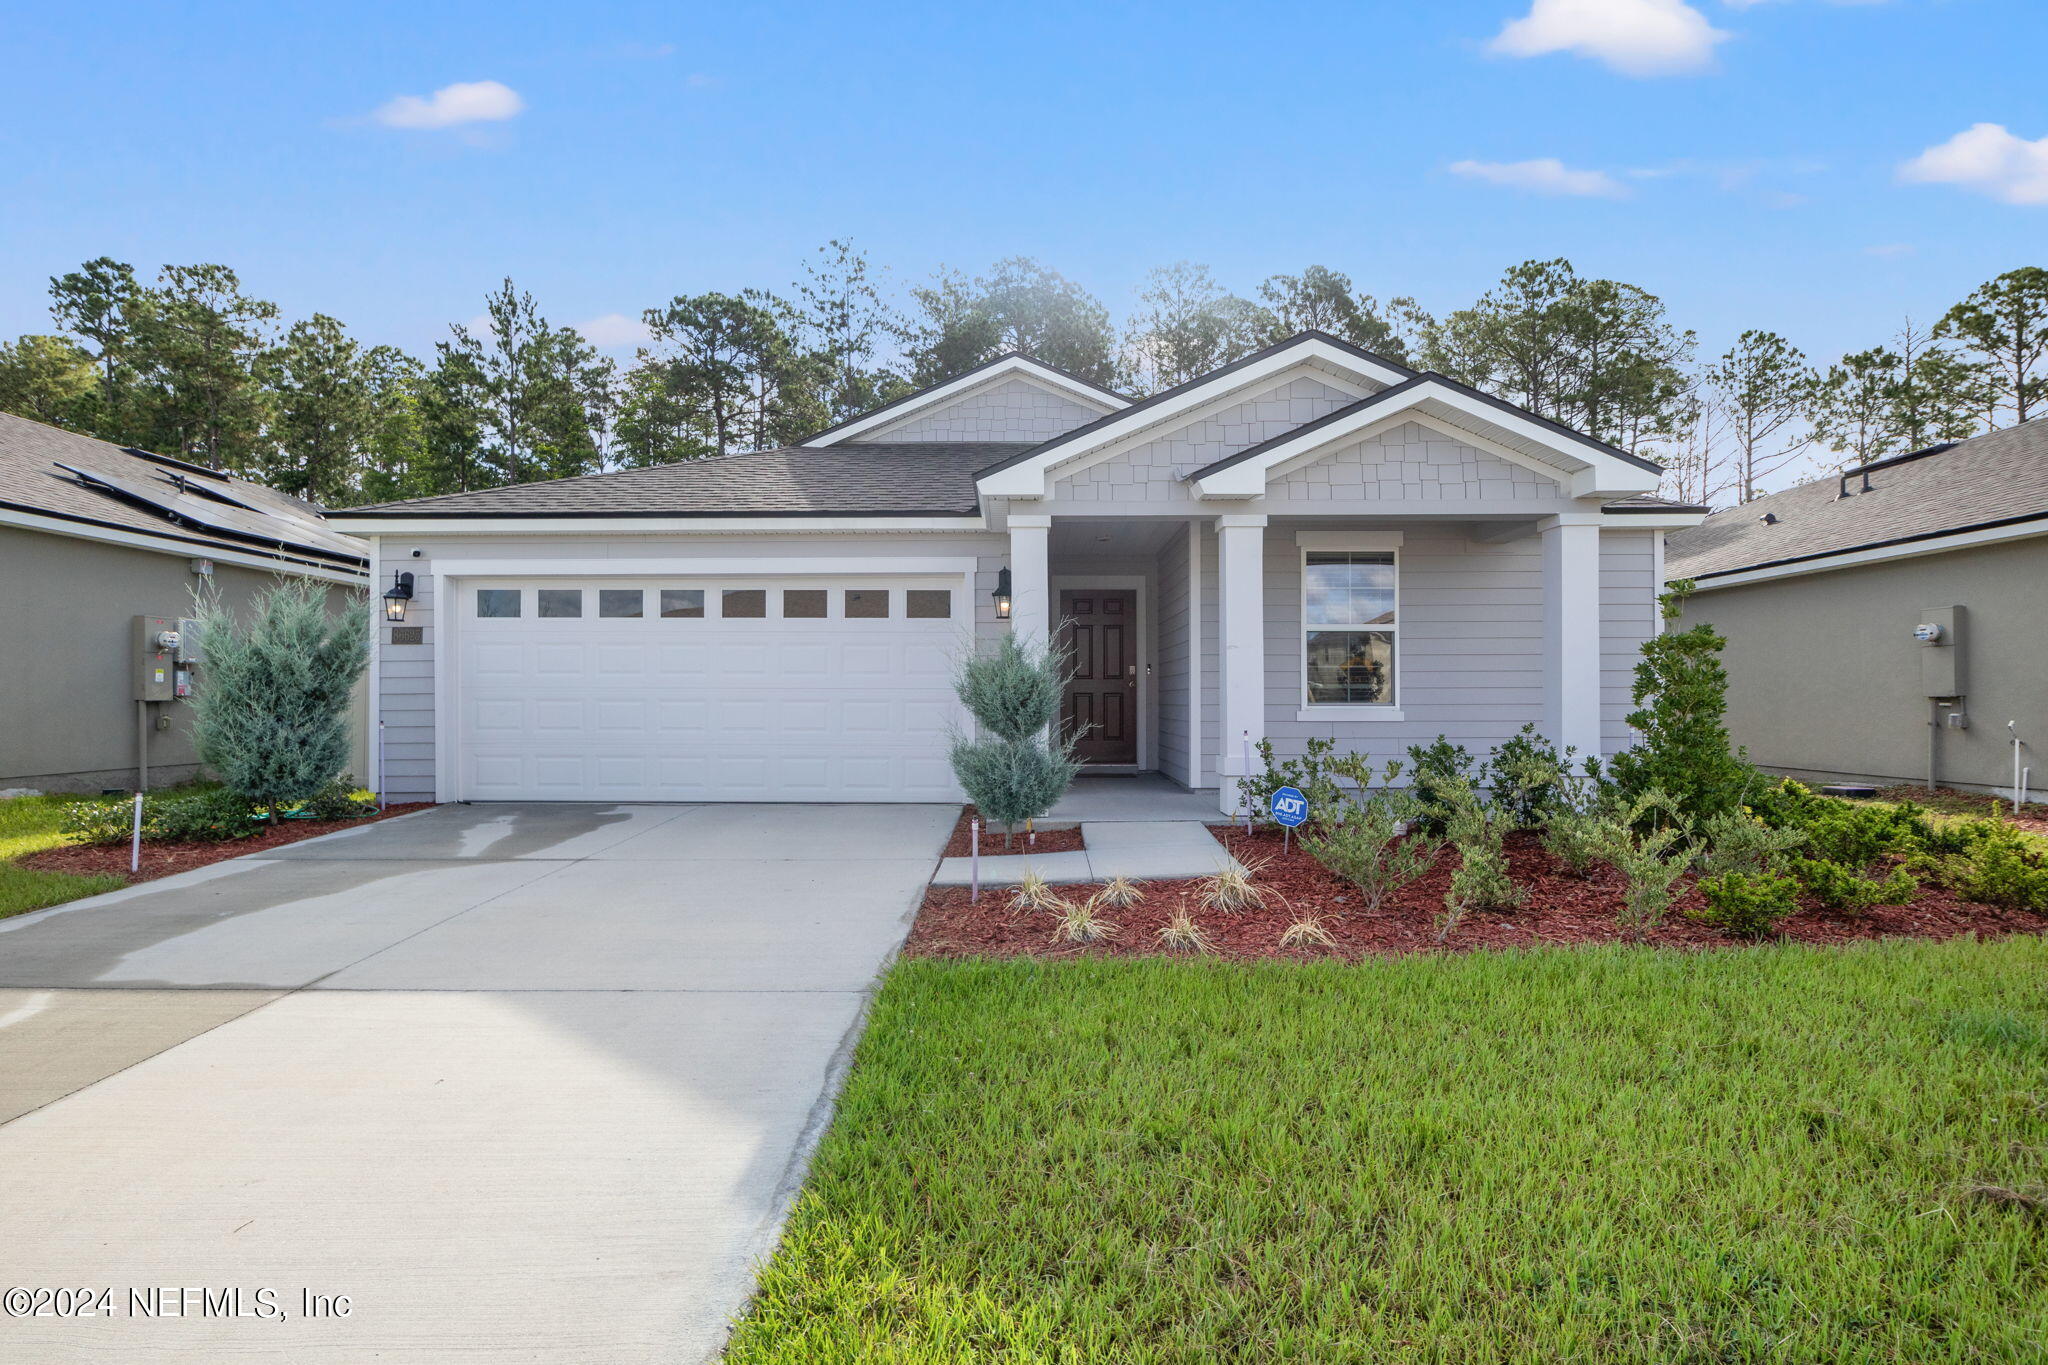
[
  {"x": 1752, "y": 4},
  {"x": 1889, "y": 250},
  {"x": 1988, "y": 159},
  {"x": 1635, "y": 37},
  {"x": 614, "y": 329},
  {"x": 452, "y": 106},
  {"x": 1543, "y": 175}
]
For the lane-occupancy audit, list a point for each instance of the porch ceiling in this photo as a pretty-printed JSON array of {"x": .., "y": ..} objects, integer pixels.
[{"x": 1098, "y": 537}]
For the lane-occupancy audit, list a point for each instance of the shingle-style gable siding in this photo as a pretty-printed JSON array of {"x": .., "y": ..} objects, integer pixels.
[
  {"x": 1411, "y": 463},
  {"x": 1014, "y": 410},
  {"x": 1152, "y": 472}
]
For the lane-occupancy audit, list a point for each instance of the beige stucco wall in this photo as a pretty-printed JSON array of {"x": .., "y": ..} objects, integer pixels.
[
  {"x": 67, "y": 708},
  {"x": 1824, "y": 672}
]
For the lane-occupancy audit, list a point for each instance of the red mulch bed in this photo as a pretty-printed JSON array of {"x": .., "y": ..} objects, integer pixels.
[
  {"x": 2032, "y": 816},
  {"x": 1561, "y": 910},
  {"x": 162, "y": 859},
  {"x": 1049, "y": 840}
]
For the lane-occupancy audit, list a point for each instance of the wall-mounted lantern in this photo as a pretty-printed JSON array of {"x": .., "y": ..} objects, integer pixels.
[
  {"x": 400, "y": 594},
  {"x": 1002, "y": 595}
]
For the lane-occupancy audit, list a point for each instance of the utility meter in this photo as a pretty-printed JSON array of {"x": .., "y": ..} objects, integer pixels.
[
  {"x": 1927, "y": 632},
  {"x": 154, "y": 654}
]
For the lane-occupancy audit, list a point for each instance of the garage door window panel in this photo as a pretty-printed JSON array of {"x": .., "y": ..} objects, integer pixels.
[
  {"x": 803, "y": 604},
  {"x": 561, "y": 603},
  {"x": 743, "y": 604},
  {"x": 497, "y": 604},
  {"x": 682, "y": 603},
  {"x": 867, "y": 604},
  {"x": 929, "y": 604},
  {"x": 621, "y": 604}
]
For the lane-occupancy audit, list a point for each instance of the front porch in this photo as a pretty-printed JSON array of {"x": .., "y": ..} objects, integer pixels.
[{"x": 1463, "y": 626}]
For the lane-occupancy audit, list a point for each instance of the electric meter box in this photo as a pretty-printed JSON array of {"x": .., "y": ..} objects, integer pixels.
[
  {"x": 1941, "y": 651},
  {"x": 155, "y": 653}
]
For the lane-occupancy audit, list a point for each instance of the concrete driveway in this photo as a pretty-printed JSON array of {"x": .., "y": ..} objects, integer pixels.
[{"x": 521, "y": 1083}]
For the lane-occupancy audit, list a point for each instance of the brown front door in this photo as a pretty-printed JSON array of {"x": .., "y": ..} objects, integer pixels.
[{"x": 1102, "y": 701}]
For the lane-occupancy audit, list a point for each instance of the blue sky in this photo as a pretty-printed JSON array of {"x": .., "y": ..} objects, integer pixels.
[{"x": 1743, "y": 160}]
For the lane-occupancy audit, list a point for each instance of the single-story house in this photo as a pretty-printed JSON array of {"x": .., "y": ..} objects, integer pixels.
[
  {"x": 94, "y": 536},
  {"x": 1311, "y": 541},
  {"x": 1889, "y": 624}
]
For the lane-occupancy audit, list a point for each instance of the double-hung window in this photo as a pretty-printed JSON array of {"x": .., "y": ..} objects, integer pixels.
[{"x": 1350, "y": 626}]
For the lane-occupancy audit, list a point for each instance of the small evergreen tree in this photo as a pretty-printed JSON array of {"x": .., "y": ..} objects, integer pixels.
[
  {"x": 270, "y": 712},
  {"x": 1013, "y": 772},
  {"x": 1681, "y": 696}
]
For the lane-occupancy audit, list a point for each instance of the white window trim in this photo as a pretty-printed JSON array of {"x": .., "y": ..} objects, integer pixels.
[{"x": 1360, "y": 542}]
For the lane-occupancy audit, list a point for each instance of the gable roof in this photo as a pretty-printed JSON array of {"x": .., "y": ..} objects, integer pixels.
[
  {"x": 1997, "y": 479},
  {"x": 1009, "y": 365},
  {"x": 1587, "y": 466},
  {"x": 1191, "y": 392},
  {"x": 912, "y": 479},
  {"x": 66, "y": 477}
]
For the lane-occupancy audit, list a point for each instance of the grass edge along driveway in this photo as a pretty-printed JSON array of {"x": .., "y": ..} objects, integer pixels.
[
  {"x": 28, "y": 824},
  {"x": 1571, "y": 1155}
]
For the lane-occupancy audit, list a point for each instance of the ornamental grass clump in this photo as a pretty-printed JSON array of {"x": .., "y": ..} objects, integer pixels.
[
  {"x": 270, "y": 713},
  {"x": 1082, "y": 922},
  {"x": 1231, "y": 889},
  {"x": 1121, "y": 893},
  {"x": 1033, "y": 892},
  {"x": 1015, "y": 769},
  {"x": 1182, "y": 935},
  {"x": 1307, "y": 933}
]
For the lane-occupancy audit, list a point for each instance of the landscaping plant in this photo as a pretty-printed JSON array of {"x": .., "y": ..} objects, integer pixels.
[
  {"x": 1033, "y": 892},
  {"x": 1017, "y": 768},
  {"x": 1747, "y": 904},
  {"x": 1231, "y": 889},
  {"x": 1121, "y": 893},
  {"x": 1366, "y": 848},
  {"x": 1737, "y": 841},
  {"x": 1081, "y": 922},
  {"x": 1647, "y": 846},
  {"x": 174, "y": 816},
  {"x": 1841, "y": 887},
  {"x": 2008, "y": 873},
  {"x": 1438, "y": 772},
  {"x": 1306, "y": 933},
  {"x": 1182, "y": 935},
  {"x": 1481, "y": 881},
  {"x": 270, "y": 714},
  {"x": 1527, "y": 779},
  {"x": 1681, "y": 697}
]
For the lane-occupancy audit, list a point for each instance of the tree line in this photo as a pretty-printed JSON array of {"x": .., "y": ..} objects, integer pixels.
[{"x": 191, "y": 364}]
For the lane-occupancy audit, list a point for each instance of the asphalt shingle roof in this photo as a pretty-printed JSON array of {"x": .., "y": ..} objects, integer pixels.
[
  {"x": 144, "y": 494},
  {"x": 926, "y": 478},
  {"x": 2001, "y": 476}
]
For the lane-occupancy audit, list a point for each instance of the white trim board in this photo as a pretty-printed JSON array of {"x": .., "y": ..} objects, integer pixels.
[
  {"x": 966, "y": 386},
  {"x": 758, "y": 566},
  {"x": 1850, "y": 559},
  {"x": 139, "y": 540},
  {"x": 367, "y": 523},
  {"x": 1032, "y": 478}
]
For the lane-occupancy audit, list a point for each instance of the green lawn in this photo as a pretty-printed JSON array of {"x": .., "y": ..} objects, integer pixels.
[
  {"x": 1768, "y": 1154},
  {"x": 27, "y": 825}
]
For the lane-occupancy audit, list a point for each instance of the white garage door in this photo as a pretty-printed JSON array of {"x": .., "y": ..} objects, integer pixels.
[{"x": 692, "y": 689}]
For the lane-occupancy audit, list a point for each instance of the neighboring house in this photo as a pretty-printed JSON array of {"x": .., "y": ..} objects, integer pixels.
[
  {"x": 1312, "y": 541},
  {"x": 1822, "y": 590},
  {"x": 93, "y": 535}
]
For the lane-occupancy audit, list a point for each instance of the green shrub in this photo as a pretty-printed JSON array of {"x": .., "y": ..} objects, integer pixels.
[
  {"x": 1481, "y": 881},
  {"x": 2006, "y": 872},
  {"x": 215, "y": 814},
  {"x": 1012, "y": 772},
  {"x": 271, "y": 712},
  {"x": 1576, "y": 838},
  {"x": 340, "y": 799},
  {"x": 1314, "y": 775},
  {"x": 1841, "y": 887},
  {"x": 1528, "y": 779},
  {"x": 1441, "y": 780},
  {"x": 1735, "y": 841},
  {"x": 1858, "y": 835},
  {"x": 101, "y": 822},
  {"x": 1013, "y": 780},
  {"x": 1747, "y": 904},
  {"x": 1646, "y": 845},
  {"x": 1681, "y": 697},
  {"x": 1365, "y": 847}
]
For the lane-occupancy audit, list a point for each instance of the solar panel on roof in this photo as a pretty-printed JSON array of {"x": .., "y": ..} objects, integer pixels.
[{"x": 213, "y": 516}]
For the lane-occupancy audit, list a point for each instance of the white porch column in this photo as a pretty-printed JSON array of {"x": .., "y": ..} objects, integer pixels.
[
  {"x": 1030, "y": 577},
  {"x": 1571, "y": 631},
  {"x": 1241, "y": 611}
]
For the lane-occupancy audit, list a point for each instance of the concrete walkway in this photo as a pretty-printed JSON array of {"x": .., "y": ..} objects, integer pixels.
[
  {"x": 1150, "y": 850},
  {"x": 523, "y": 1083}
]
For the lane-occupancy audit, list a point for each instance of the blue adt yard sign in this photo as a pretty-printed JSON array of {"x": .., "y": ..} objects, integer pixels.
[{"x": 1290, "y": 807}]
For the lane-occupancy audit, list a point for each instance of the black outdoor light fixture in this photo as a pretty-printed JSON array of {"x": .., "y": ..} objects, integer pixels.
[
  {"x": 400, "y": 594},
  {"x": 1002, "y": 594}
]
